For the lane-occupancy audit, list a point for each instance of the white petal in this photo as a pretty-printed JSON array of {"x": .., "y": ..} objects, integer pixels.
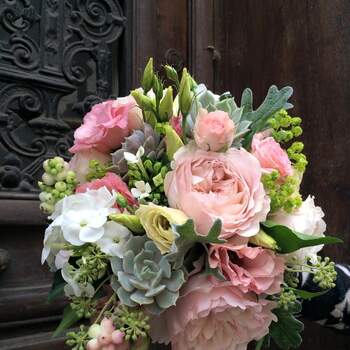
[
  {"x": 136, "y": 193},
  {"x": 71, "y": 234},
  {"x": 131, "y": 158},
  {"x": 148, "y": 188},
  {"x": 140, "y": 152},
  {"x": 90, "y": 234}
]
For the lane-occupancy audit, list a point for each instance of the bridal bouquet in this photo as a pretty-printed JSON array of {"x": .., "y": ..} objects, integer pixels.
[{"x": 179, "y": 220}]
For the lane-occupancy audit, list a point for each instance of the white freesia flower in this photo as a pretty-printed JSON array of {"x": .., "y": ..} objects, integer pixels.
[
  {"x": 141, "y": 189},
  {"x": 82, "y": 217},
  {"x": 114, "y": 239},
  {"x": 307, "y": 219},
  {"x": 73, "y": 287},
  {"x": 134, "y": 158}
]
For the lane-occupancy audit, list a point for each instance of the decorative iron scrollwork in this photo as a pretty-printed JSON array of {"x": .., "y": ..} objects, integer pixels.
[{"x": 50, "y": 49}]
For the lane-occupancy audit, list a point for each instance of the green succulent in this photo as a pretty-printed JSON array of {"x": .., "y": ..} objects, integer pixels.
[{"x": 145, "y": 277}]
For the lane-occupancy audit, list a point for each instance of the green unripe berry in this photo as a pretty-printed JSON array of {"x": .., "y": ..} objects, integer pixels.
[{"x": 60, "y": 186}]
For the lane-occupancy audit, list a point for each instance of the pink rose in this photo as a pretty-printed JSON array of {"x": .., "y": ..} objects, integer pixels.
[
  {"x": 270, "y": 155},
  {"x": 207, "y": 186},
  {"x": 80, "y": 162},
  {"x": 213, "y": 316},
  {"x": 112, "y": 182},
  {"x": 250, "y": 269},
  {"x": 107, "y": 124},
  {"x": 213, "y": 131}
]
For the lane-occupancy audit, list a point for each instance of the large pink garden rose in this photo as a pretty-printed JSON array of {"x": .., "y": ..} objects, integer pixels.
[
  {"x": 107, "y": 124},
  {"x": 112, "y": 182},
  {"x": 213, "y": 131},
  {"x": 207, "y": 186},
  {"x": 213, "y": 316},
  {"x": 270, "y": 155},
  {"x": 80, "y": 162},
  {"x": 250, "y": 269}
]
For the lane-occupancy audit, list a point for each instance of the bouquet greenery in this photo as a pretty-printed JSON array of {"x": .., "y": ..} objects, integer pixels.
[{"x": 179, "y": 220}]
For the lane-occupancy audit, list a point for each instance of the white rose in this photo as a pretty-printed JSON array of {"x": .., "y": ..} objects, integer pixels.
[{"x": 308, "y": 220}]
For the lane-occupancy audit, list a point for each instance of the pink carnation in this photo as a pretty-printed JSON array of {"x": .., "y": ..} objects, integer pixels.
[
  {"x": 112, "y": 182},
  {"x": 107, "y": 124},
  {"x": 207, "y": 186},
  {"x": 250, "y": 269},
  {"x": 213, "y": 131},
  {"x": 270, "y": 155},
  {"x": 213, "y": 316}
]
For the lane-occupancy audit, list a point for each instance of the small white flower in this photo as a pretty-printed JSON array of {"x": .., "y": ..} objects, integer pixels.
[
  {"x": 134, "y": 158},
  {"x": 82, "y": 217},
  {"x": 141, "y": 190},
  {"x": 114, "y": 239},
  {"x": 73, "y": 287}
]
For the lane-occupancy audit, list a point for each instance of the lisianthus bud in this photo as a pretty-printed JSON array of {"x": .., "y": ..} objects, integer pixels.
[
  {"x": 132, "y": 222},
  {"x": 157, "y": 222},
  {"x": 148, "y": 76},
  {"x": 262, "y": 239},
  {"x": 166, "y": 105},
  {"x": 214, "y": 131}
]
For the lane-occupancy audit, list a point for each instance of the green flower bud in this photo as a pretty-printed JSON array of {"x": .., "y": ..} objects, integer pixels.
[
  {"x": 47, "y": 208},
  {"x": 185, "y": 96},
  {"x": 172, "y": 75},
  {"x": 60, "y": 186},
  {"x": 156, "y": 167},
  {"x": 148, "y": 76},
  {"x": 262, "y": 239},
  {"x": 158, "y": 180},
  {"x": 157, "y": 88},
  {"x": 48, "y": 179},
  {"x": 166, "y": 105},
  {"x": 121, "y": 200},
  {"x": 148, "y": 165},
  {"x": 297, "y": 131},
  {"x": 132, "y": 222}
]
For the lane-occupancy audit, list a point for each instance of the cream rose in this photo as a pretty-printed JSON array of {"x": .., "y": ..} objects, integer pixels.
[
  {"x": 207, "y": 186},
  {"x": 157, "y": 220}
]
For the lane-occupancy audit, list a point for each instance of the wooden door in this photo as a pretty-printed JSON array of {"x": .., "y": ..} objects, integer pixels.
[{"x": 304, "y": 44}]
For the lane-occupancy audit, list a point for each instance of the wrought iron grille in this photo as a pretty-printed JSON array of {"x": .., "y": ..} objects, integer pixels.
[{"x": 55, "y": 63}]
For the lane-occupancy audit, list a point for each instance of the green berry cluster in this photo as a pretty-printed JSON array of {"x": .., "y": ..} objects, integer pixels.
[
  {"x": 83, "y": 307},
  {"x": 297, "y": 157},
  {"x": 285, "y": 129},
  {"x": 284, "y": 193},
  {"x": 92, "y": 263},
  {"x": 77, "y": 340},
  {"x": 287, "y": 299},
  {"x": 96, "y": 170},
  {"x": 291, "y": 279},
  {"x": 325, "y": 274},
  {"x": 57, "y": 182},
  {"x": 154, "y": 173},
  {"x": 133, "y": 322}
]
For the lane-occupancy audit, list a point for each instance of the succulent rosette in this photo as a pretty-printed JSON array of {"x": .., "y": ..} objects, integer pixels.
[
  {"x": 145, "y": 277},
  {"x": 179, "y": 220}
]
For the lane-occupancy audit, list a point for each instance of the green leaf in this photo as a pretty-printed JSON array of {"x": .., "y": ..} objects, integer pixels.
[
  {"x": 303, "y": 294},
  {"x": 69, "y": 318},
  {"x": 274, "y": 101},
  {"x": 57, "y": 288},
  {"x": 188, "y": 232},
  {"x": 286, "y": 332},
  {"x": 173, "y": 141},
  {"x": 289, "y": 241}
]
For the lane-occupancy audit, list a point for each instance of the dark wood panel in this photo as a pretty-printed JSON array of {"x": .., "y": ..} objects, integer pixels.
[
  {"x": 159, "y": 31},
  {"x": 305, "y": 44}
]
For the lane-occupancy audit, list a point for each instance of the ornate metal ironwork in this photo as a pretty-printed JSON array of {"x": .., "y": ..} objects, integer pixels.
[{"x": 50, "y": 49}]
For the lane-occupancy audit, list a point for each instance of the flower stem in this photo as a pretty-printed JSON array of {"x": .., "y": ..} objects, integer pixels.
[{"x": 108, "y": 303}]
